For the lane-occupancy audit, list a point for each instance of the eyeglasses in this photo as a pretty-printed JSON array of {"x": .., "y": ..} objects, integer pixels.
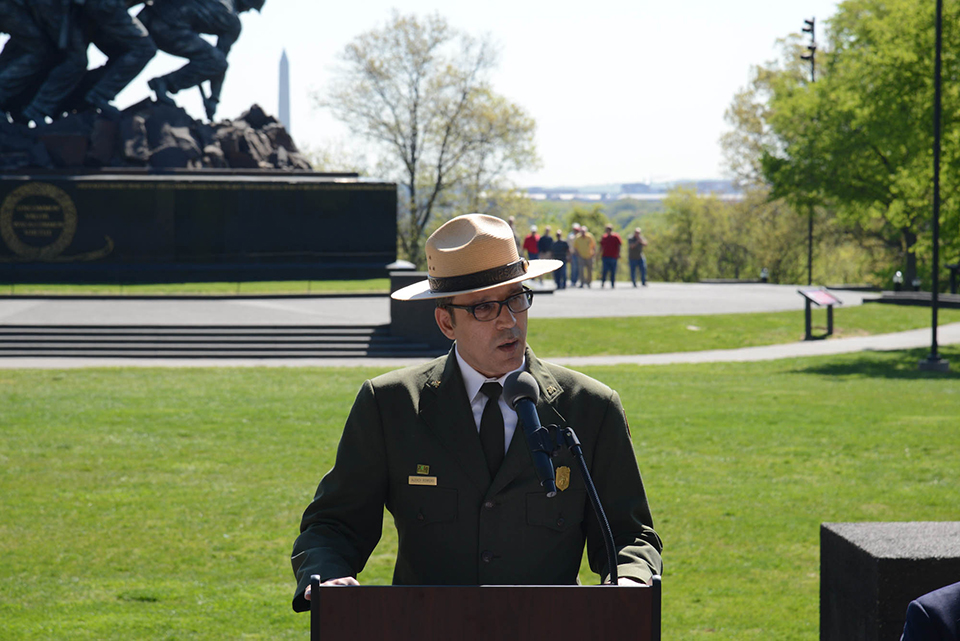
[{"x": 489, "y": 310}]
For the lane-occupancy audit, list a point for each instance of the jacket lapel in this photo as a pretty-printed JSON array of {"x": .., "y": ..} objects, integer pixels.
[
  {"x": 518, "y": 458},
  {"x": 445, "y": 409}
]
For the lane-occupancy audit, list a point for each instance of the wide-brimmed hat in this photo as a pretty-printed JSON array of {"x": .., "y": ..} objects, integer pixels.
[{"x": 472, "y": 253}]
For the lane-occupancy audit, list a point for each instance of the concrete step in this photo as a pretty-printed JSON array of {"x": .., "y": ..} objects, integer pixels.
[{"x": 206, "y": 342}]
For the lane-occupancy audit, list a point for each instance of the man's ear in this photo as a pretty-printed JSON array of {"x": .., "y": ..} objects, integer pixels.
[{"x": 444, "y": 322}]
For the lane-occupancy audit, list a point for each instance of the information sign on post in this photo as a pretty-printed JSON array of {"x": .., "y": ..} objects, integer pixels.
[{"x": 821, "y": 298}]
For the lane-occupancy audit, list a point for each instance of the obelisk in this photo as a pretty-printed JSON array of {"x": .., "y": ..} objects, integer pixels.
[{"x": 284, "y": 107}]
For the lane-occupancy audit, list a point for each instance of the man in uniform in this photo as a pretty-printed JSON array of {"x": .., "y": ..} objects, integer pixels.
[
  {"x": 176, "y": 26},
  {"x": 437, "y": 445}
]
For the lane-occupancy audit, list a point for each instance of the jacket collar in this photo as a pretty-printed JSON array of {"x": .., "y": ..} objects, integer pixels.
[{"x": 445, "y": 408}]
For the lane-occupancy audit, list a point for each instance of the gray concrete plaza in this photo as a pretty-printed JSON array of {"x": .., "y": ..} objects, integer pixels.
[{"x": 659, "y": 299}]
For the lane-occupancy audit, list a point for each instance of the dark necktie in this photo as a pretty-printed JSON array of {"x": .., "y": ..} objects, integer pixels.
[{"x": 491, "y": 427}]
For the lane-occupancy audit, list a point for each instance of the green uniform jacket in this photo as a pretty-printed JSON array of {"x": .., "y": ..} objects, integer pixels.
[{"x": 413, "y": 425}]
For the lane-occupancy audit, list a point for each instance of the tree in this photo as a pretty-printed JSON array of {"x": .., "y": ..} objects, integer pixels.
[
  {"x": 859, "y": 139},
  {"x": 593, "y": 217},
  {"x": 419, "y": 91}
]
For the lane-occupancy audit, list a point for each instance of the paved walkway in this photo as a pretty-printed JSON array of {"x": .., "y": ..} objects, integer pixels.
[{"x": 659, "y": 299}]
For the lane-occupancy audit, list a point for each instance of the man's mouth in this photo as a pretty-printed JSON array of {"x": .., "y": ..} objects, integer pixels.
[{"x": 509, "y": 346}]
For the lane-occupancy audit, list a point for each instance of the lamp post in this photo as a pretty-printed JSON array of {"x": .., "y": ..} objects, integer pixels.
[
  {"x": 810, "y": 26},
  {"x": 933, "y": 362}
]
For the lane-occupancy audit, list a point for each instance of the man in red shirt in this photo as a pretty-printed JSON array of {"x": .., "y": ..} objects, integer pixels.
[
  {"x": 531, "y": 243},
  {"x": 610, "y": 244}
]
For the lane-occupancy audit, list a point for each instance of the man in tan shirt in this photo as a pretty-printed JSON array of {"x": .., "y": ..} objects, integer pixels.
[{"x": 585, "y": 246}]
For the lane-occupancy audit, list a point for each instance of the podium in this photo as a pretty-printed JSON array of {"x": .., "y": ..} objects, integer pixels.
[{"x": 531, "y": 613}]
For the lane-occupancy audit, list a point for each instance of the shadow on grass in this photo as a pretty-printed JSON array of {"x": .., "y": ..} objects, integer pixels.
[{"x": 901, "y": 364}]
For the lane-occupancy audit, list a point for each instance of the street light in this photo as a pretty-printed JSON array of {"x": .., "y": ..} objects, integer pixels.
[
  {"x": 812, "y": 48},
  {"x": 933, "y": 362}
]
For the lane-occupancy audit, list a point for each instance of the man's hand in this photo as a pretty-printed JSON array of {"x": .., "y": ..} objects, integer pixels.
[{"x": 346, "y": 580}]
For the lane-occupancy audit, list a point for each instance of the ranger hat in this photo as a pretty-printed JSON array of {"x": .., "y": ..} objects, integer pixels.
[{"x": 472, "y": 253}]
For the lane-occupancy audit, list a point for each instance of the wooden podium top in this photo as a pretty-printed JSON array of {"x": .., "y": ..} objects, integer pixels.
[{"x": 427, "y": 613}]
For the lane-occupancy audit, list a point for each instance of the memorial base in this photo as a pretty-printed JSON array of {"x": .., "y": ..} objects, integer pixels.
[{"x": 184, "y": 226}]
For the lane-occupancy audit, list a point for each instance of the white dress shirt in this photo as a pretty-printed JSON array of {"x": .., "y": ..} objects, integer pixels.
[{"x": 473, "y": 381}]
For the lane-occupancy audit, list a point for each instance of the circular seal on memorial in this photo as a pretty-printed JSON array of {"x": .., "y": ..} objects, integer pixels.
[{"x": 38, "y": 221}]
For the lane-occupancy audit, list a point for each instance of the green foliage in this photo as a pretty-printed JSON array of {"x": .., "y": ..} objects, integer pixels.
[
  {"x": 418, "y": 90},
  {"x": 592, "y": 216},
  {"x": 858, "y": 141},
  {"x": 702, "y": 237}
]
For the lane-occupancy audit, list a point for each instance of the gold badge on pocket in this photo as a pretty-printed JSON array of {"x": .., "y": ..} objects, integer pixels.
[
  {"x": 423, "y": 469},
  {"x": 563, "y": 477}
]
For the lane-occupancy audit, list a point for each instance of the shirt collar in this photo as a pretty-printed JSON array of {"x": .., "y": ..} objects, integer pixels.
[{"x": 474, "y": 380}]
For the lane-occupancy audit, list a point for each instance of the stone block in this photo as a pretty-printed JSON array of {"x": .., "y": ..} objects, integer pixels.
[
  {"x": 414, "y": 319},
  {"x": 869, "y": 572}
]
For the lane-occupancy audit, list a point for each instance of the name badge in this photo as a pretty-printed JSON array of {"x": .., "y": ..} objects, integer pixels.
[{"x": 422, "y": 480}]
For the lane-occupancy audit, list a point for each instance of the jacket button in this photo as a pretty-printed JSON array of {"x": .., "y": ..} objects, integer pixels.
[
  {"x": 487, "y": 556},
  {"x": 488, "y": 505},
  {"x": 560, "y": 522}
]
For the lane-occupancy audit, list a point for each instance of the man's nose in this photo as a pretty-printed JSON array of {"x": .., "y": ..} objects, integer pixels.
[{"x": 506, "y": 317}]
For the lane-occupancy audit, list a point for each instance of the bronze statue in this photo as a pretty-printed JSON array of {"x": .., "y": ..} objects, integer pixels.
[
  {"x": 176, "y": 26},
  {"x": 43, "y": 66}
]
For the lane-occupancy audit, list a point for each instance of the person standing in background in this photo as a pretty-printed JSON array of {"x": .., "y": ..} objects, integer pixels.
[
  {"x": 560, "y": 250},
  {"x": 638, "y": 261},
  {"x": 574, "y": 259},
  {"x": 545, "y": 244},
  {"x": 610, "y": 244},
  {"x": 586, "y": 248},
  {"x": 531, "y": 244}
]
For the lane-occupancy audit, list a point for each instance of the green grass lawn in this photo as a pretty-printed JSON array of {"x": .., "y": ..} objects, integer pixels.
[
  {"x": 163, "y": 503},
  {"x": 553, "y": 337},
  {"x": 373, "y": 285}
]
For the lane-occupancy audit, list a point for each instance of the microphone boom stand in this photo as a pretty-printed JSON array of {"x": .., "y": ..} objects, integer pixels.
[{"x": 566, "y": 437}]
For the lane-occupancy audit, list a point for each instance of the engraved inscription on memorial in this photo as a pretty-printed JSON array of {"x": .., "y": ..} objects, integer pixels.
[{"x": 38, "y": 222}]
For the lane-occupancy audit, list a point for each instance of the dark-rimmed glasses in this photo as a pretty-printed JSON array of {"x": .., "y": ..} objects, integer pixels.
[{"x": 489, "y": 310}]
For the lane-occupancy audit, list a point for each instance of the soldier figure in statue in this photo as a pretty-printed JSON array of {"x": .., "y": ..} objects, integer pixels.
[
  {"x": 26, "y": 54},
  {"x": 176, "y": 26},
  {"x": 61, "y": 72},
  {"x": 126, "y": 43},
  {"x": 46, "y": 58}
]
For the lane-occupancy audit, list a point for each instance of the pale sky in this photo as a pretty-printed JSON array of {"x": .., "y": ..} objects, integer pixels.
[{"x": 622, "y": 91}]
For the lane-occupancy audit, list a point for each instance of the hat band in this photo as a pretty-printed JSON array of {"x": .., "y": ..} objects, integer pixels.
[{"x": 478, "y": 280}]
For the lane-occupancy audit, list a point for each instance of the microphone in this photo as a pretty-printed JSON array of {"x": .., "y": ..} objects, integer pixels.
[{"x": 521, "y": 391}]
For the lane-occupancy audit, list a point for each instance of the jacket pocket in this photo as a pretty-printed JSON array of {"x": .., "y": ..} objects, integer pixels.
[
  {"x": 427, "y": 505},
  {"x": 562, "y": 512}
]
